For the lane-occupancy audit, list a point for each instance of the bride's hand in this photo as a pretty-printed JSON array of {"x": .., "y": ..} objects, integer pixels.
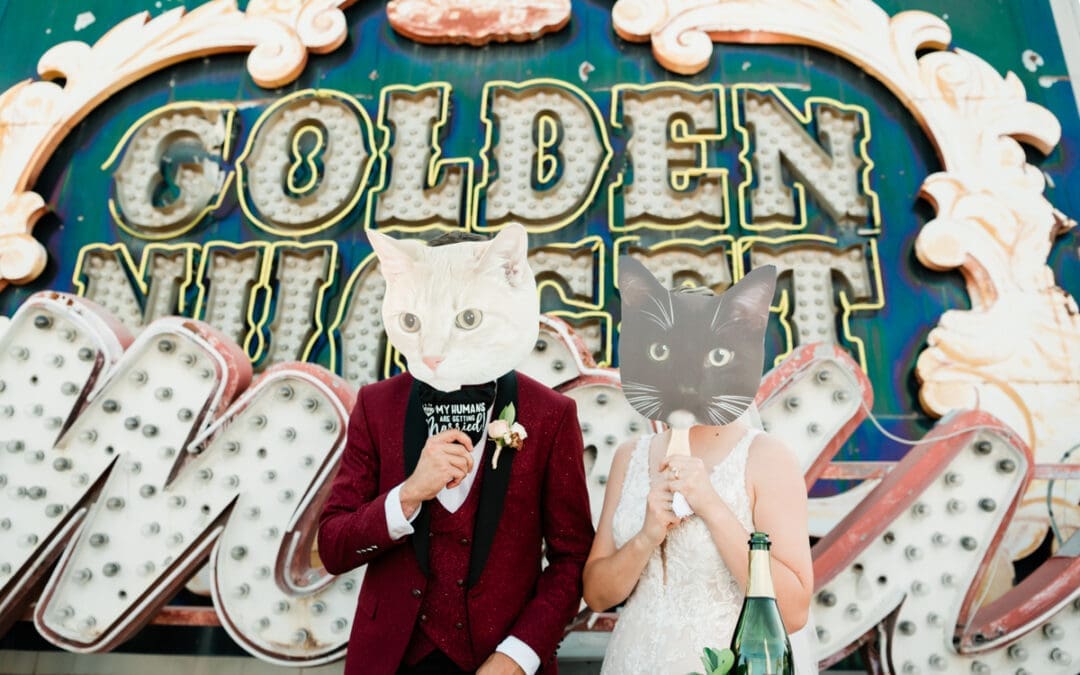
[
  {"x": 659, "y": 517},
  {"x": 689, "y": 476}
]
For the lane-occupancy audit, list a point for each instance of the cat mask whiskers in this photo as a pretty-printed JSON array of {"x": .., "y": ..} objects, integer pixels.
[{"x": 642, "y": 396}]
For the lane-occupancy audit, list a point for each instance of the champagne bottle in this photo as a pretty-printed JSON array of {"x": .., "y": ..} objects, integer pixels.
[{"x": 760, "y": 642}]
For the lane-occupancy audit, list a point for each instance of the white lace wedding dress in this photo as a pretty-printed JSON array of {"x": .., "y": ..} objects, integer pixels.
[{"x": 665, "y": 625}]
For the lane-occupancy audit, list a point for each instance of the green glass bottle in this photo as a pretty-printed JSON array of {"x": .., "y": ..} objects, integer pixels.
[{"x": 760, "y": 642}]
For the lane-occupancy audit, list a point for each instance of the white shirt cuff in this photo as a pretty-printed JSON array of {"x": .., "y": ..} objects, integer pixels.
[
  {"x": 522, "y": 654},
  {"x": 396, "y": 523}
]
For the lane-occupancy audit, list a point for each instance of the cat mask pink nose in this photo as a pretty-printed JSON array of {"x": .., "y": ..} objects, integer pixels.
[{"x": 432, "y": 362}]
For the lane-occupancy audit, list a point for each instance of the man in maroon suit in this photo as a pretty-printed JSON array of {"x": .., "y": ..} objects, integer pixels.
[{"x": 451, "y": 513}]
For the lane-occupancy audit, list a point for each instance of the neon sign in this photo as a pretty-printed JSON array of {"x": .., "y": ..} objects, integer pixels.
[{"x": 306, "y": 163}]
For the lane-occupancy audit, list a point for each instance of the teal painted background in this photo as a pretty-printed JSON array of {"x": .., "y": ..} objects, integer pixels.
[{"x": 373, "y": 57}]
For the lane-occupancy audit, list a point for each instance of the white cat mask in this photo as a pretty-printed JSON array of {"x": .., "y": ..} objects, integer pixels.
[{"x": 461, "y": 314}]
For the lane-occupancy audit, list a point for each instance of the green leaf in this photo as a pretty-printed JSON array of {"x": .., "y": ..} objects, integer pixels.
[
  {"x": 717, "y": 662},
  {"x": 724, "y": 661},
  {"x": 508, "y": 413},
  {"x": 708, "y": 659},
  {"x": 714, "y": 656},
  {"x": 708, "y": 666}
]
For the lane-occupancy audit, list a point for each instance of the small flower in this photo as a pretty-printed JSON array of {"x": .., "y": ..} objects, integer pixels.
[
  {"x": 498, "y": 429},
  {"x": 505, "y": 432}
]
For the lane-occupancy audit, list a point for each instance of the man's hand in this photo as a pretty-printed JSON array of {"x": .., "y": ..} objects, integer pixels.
[
  {"x": 444, "y": 462},
  {"x": 500, "y": 664}
]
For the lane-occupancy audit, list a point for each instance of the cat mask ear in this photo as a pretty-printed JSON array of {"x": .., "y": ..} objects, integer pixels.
[
  {"x": 637, "y": 284},
  {"x": 750, "y": 298},
  {"x": 396, "y": 257},
  {"x": 509, "y": 250}
]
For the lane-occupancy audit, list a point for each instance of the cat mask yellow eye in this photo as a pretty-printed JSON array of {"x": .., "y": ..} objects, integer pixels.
[
  {"x": 659, "y": 352},
  {"x": 719, "y": 357},
  {"x": 410, "y": 323},
  {"x": 468, "y": 319}
]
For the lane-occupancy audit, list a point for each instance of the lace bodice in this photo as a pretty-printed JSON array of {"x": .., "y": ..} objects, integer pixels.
[{"x": 664, "y": 626}]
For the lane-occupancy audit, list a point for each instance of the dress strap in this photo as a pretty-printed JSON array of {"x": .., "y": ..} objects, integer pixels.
[
  {"x": 641, "y": 455},
  {"x": 643, "y": 442},
  {"x": 741, "y": 451}
]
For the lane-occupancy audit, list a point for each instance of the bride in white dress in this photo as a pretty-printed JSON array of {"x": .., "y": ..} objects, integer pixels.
[
  {"x": 690, "y": 354},
  {"x": 687, "y": 596}
]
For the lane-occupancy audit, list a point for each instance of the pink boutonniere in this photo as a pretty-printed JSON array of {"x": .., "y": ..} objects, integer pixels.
[{"x": 506, "y": 432}]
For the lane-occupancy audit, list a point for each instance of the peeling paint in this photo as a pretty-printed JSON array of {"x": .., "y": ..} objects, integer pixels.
[
  {"x": 1032, "y": 60},
  {"x": 1047, "y": 81},
  {"x": 83, "y": 20},
  {"x": 584, "y": 69}
]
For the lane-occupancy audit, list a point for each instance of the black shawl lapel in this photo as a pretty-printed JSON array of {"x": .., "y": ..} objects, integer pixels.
[
  {"x": 415, "y": 437},
  {"x": 493, "y": 485}
]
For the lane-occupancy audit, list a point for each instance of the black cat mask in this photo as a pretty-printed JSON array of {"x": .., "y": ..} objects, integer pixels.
[{"x": 692, "y": 354}]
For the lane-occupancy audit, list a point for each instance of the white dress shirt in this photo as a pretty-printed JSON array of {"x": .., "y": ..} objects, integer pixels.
[{"x": 452, "y": 498}]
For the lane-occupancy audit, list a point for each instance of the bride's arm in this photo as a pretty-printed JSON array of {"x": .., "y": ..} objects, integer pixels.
[
  {"x": 611, "y": 574},
  {"x": 779, "y": 503},
  {"x": 778, "y": 499}
]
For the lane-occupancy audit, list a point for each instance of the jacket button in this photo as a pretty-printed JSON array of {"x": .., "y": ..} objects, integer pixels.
[
  {"x": 416, "y": 593},
  {"x": 464, "y": 541},
  {"x": 460, "y": 583},
  {"x": 459, "y": 625},
  {"x": 423, "y": 618}
]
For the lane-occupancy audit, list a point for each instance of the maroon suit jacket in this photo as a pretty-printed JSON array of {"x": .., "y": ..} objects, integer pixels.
[{"x": 545, "y": 502}]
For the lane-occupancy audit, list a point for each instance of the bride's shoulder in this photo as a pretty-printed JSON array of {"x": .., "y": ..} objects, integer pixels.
[
  {"x": 769, "y": 454},
  {"x": 623, "y": 454},
  {"x": 629, "y": 447},
  {"x": 774, "y": 477}
]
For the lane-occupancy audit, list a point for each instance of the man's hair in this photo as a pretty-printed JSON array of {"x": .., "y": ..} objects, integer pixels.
[
  {"x": 456, "y": 237},
  {"x": 694, "y": 290}
]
